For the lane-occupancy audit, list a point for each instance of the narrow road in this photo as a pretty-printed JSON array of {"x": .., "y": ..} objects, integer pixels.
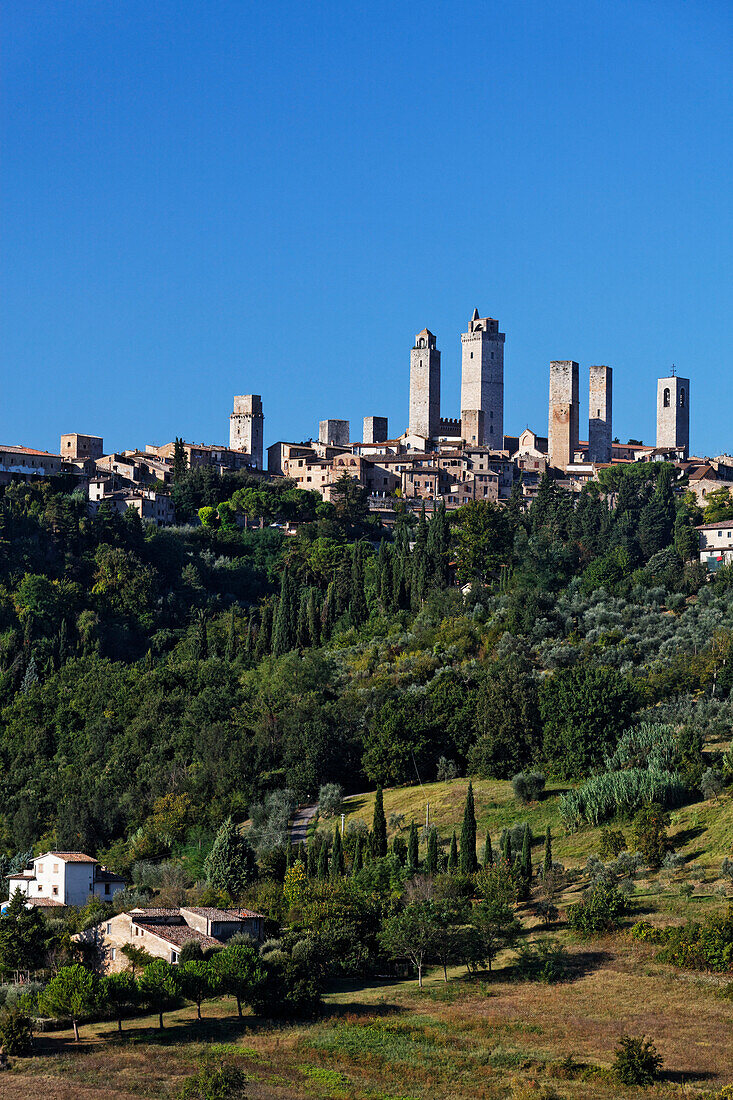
[{"x": 301, "y": 821}]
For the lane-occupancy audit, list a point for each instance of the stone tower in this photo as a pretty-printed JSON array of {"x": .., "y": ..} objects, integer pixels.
[
  {"x": 424, "y": 386},
  {"x": 562, "y": 434},
  {"x": 599, "y": 414},
  {"x": 334, "y": 432},
  {"x": 482, "y": 381},
  {"x": 375, "y": 429},
  {"x": 673, "y": 412},
  {"x": 246, "y": 427}
]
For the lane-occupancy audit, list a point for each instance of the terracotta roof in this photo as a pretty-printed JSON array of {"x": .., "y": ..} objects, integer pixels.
[
  {"x": 23, "y": 874},
  {"x": 219, "y": 914},
  {"x": 715, "y": 526},
  {"x": 154, "y": 912},
  {"x": 69, "y": 857},
  {"x": 45, "y": 903},
  {"x": 178, "y": 934},
  {"x": 17, "y": 449}
]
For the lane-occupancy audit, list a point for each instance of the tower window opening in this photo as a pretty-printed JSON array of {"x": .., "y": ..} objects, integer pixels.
[
  {"x": 666, "y": 397},
  {"x": 682, "y": 399}
]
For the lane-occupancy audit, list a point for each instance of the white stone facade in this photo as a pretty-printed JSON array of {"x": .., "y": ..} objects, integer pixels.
[
  {"x": 673, "y": 412},
  {"x": 600, "y": 402},
  {"x": 424, "y": 386}
]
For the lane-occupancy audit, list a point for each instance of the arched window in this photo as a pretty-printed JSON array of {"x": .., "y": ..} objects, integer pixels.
[
  {"x": 666, "y": 397},
  {"x": 682, "y": 399}
]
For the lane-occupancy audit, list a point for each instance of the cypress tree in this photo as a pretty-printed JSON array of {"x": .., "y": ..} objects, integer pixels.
[
  {"x": 63, "y": 642},
  {"x": 526, "y": 857},
  {"x": 342, "y": 587},
  {"x": 488, "y": 852},
  {"x": 547, "y": 863},
  {"x": 231, "y": 864},
  {"x": 263, "y": 644},
  {"x": 322, "y": 872},
  {"x": 467, "y": 862},
  {"x": 303, "y": 632},
  {"x": 431, "y": 859},
  {"x": 413, "y": 861},
  {"x": 231, "y": 650},
  {"x": 508, "y": 848},
  {"x": 314, "y": 622},
  {"x": 358, "y": 856},
  {"x": 357, "y": 600},
  {"x": 453, "y": 854},
  {"x": 180, "y": 461},
  {"x": 337, "y": 856},
  {"x": 289, "y": 854},
  {"x": 379, "y": 826},
  {"x": 283, "y": 634}
]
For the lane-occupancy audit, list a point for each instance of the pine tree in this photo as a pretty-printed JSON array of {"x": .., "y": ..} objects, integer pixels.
[
  {"x": 453, "y": 854},
  {"x": 467, "y": 862},
  {"x": 413, "y": 860},
  {"x": 358, "y": 863},
  {"x": 322, "y": 872},
  {"x": 431, "y": 859},
  {"x": 488, "y": 852},
  {"x": 231, "y": 864},
  {"x": 547, "y": 864},
  {"x": 379, "y": 826},
  {"x": 337, "y": 856}
]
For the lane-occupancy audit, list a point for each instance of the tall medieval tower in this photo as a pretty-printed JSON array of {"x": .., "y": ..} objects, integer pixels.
[
  {"x": 424, "y": 386},
  {"x": 562, "y": 433},
  {"x": 246, "y": 427},
  {"x": 600, "y": 398},
  {"x": 673, "y": 412},
  {"x": 482, "y": 382}
]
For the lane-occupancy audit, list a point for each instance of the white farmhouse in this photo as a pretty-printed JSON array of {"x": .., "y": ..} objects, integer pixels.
[
  {"x": 65, "y": 878},
  {"x": 716, "y": 544}
]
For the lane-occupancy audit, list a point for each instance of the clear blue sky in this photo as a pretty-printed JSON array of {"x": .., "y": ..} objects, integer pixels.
[{"x": 209, "y": 197}]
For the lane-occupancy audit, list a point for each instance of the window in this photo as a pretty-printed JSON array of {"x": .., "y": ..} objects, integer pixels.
[
  {"x": 682, "y": 399},
  {"x": 106, "y": 887},
  {"x": 114, "y": 953},
  {"x": 472, "y": 355},
  {"x": 666, "y": 397},
  {"x": 39, "y": 886},
  {"x": 174, "y": 956},
  {"x": 40, "y": 868},
  {"x": 109, "y": 928},
  {"x": 720, "y": 535},
  {"x": 54, "y": 890}
]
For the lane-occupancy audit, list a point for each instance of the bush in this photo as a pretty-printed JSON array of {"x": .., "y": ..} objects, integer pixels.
[
  {"x": 600, "y": 910},
  {"x": 649, "y": 834},
  {"x": 218, "y": 1081},
  {"x": 330, "y": 797},
  {"x": 16, "y": 1031},
  {"x": 543, "y": 961},
  {"x": 613, "y": 842},
  {"x": 636, "y": 1062},
  {"x": 699, "y": 945},
  {"x": 446, "y": 771},
  {"x": 528, "y": 786},
  {"x": 711, "y": 783}
]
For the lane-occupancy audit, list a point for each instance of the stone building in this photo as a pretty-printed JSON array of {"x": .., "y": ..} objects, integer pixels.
[
  {"x": 79, "y": 446},
  {"x": 673, "y": 413},
  {"x": 375, "y": 429},
  {"x": 335, "y": 432},
  {"x": 21, "y": 463},
  {"x": 424, "y": 417},
  {"x": 600, "y": 414},
  {"x": 564, "y": 413},
  {"x": 482, "y": 382},
  {"x": 65, "y": 878},
  {"x": 246, "y": 428}
]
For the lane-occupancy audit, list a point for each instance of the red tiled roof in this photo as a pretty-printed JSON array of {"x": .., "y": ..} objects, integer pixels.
[
  {"x": 178, "y": 934},
  {"x": 69, "y": 857},
  {"x": 17, "y": 449},
  {"x": 220, "y": 914},
  {"x": 23, "y": 874}
]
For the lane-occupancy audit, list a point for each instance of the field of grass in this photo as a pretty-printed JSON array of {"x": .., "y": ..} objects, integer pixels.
[
  {"x": 702, "y": 831},
  {"x": 467, "y": 1040}
]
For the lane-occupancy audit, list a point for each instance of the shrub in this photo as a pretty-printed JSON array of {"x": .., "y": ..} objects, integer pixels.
[
  {"x": 613, "y": 842},
  {"x": 649, "y": 834},
  {"x": 16, "y": 1031},
  {"x": 528, "y": 786},
  {"x": 700, "y": 945},
  {"x": 190, "y": 951},
  {"x": 711, "y": 783},
  {"x": 217, "y": 1081},
  {"x": 330, "y": 797},
  {"x": 545, "y": 961},
  {"x": 447, "y": 770},
  {"x": 636, "y": 1061},
  {"x": 599, "y": 911}
]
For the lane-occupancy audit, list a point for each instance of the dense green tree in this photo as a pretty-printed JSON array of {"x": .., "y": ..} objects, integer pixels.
[
  {"x": 379, "y": 826},
  {"x": 197, "y": 981},
  {"x": 467, "y": 862},
  {"x": 337, "y": 856},
  {"x": 159, "y": 988},
  {"x": 230, "y": 865},
  {"x": 508, "y": 726},
  {"x": 119, "y": 994},
  {"x": 483, "y": 541},
  {"x": 73, "y": 992},
  {"x": 412, "y": 934},
  {"x": 413, "y": 859},
  {"x": 23, "y": 936},
  {"x": 239, "y": 971},
  {"x": 453, "y": 853},
  {"x": 431, "y": 858}
]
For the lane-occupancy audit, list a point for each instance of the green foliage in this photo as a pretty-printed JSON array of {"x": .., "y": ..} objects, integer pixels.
[
  {"x": 16, "y": 1030},
  {"x": 379, "y": 826},
  {"x": 23, "y": 936},
  {"x": 230, "y": 865},
  {"x": 613, "y": 794},
  {"x": 412, "y": 934},
  {"x": 698, "y": 944},
  {"x": 636, "y": 1061},
  {"x": 467, "y": 862},
  {"x": 509, "y": 733},
  {"x": 613, "y": 842},
  {"x": 483, "y": 541},
  {"x": 330, "y": 798},
  {"x": 240, "y": 972},
  {"x": 72, "y": 992},
  {"x": 649, "y": 834},
  {"x": 214, "y": 1080},
  {"x": 528, "y": 786},
  {"x": 543, "y": 960},
  {"x": 159, "y": 988},
  {"x": 601, "y": 910},
  {"x": 197, "y": 980}
]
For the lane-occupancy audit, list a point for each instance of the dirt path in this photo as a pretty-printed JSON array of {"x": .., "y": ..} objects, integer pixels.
[{"x": 301, "y": 821}]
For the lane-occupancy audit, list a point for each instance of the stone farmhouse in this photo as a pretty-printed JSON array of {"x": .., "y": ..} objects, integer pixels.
[
  {"x": 64, "y": 878},
  {"x": 163, "y": 932}
]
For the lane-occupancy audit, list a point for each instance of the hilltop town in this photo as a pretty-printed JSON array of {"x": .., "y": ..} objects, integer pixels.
[{"x": 437, "y": 459}]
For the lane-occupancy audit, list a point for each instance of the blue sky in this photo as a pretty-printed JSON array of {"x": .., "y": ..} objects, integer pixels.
[{"x": 204, "y": 197}]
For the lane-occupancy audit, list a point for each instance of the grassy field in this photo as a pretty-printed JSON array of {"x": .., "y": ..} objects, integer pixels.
[
  {"x": 470, "y": 1040},
  {"x": 702, "y": 831}
]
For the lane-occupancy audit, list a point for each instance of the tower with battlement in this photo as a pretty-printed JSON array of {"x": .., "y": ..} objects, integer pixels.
[
  {"x": 246, "y": 427},
  {"x": 424, "y": 386},
  {"x": 673, "y": 412},
  {"x": 600, "y": 398},
  {"x": 564, "y": 419},
  {"x": 482, "y": 382}
]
